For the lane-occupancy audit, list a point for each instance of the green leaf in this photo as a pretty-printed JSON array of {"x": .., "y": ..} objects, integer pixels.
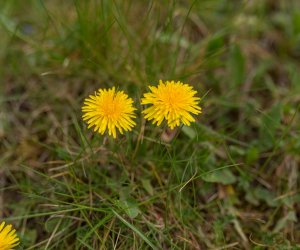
[
  {"x": 282, "y": 223},
  {"x": 130, "y": 206},
  {"x": 147, "y": 186},
  {"x": 251, "y": 198},
  {"x": 220, "y": 176},
  {"x": 252, "y": 155},
  {"x": 296, "y": 23},
  {"x": 270, "y": 123},
  {"x": 214, "y": 45},
  {"x": 236, "y": 65},
  {"x": 265, "y": 195},
  {"x": 29, "y": 238},
  {"x": 188, "y": 131}
]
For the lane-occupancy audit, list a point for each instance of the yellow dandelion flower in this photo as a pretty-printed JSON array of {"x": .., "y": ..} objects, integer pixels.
[
  {"x": 172, "y": 101},
  {"x": 8, "y": 237},
  {"x": 109, "y": 109}
]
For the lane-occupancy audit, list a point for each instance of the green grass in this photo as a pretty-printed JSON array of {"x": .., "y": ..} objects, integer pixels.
[{"x": 230, "y": 181}]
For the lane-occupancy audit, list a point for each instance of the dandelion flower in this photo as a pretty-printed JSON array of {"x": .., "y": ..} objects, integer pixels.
[
  {"x": 8, "y": 237},
  {"x": 109, "y": 109},
  {"x": 173, "y": 101}
]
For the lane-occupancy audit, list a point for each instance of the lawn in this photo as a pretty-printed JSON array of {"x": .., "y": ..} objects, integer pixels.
[{"x": 230, "y": 180}]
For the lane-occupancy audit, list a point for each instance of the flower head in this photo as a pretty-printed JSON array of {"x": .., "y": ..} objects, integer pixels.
[
  {"x": 173, "y": 101},
  {"x": 8, "y": 237},
  {"x": 109, "y": 109}
]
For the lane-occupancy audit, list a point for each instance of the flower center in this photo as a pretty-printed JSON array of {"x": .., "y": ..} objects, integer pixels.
[
  {"x": 112, "y": 109},
  {"x": 173, "y": 99}
]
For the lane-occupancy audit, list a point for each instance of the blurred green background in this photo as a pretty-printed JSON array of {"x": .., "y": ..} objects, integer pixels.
[{"x": 230, "y": 181}]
